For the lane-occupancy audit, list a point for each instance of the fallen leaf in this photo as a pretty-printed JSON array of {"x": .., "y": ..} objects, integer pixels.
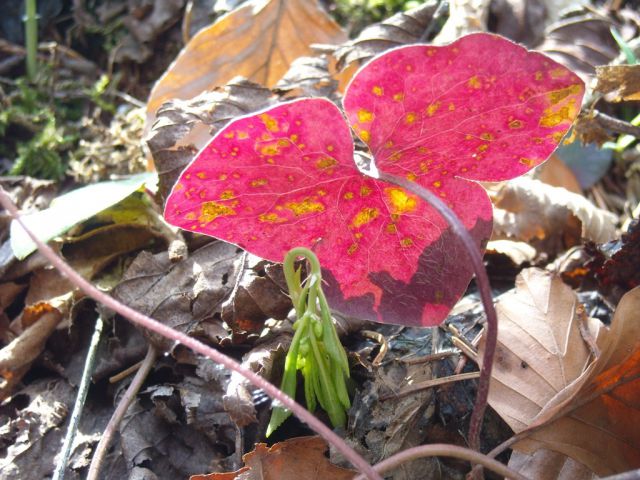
[
  {"x": 316, "y": 197},
  {"x": 71, "y": 208},
  {"x": 551, "y": 219},
  {"x": 518, "y": 252},
  {"x": 548, "y": 465},
  {"x": 540, "y": 347},
  {"x": 308, "y": 77},
  {"x": 401, "y": 29},
  {"x": 619, "y": 82},
  {"x": 183, "y": 127},
  {"x": 183, "y": 294},
  {"x": 556, "y": 173},
  {"x": 238, "y": 399},
  {"x": 594, "y": 418},
  {"x": 257, "y": 41},
  {"x": 293, "y": 459}
]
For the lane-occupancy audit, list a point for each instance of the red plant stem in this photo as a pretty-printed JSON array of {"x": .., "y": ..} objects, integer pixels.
[
  {"x": 444, "y": 450},
  {"x": 195, "y": 345},
  {"x": 475, "y": 257},
  {"x": 119, "y": 413}
]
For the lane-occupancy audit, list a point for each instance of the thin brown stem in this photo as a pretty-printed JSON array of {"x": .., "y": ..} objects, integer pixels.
[
  {"x": 444, "y": 450},
  {"x": 475, "y": 258},
  {"x": 161, "y": 329},
  {"x": 120, "y": 411}
]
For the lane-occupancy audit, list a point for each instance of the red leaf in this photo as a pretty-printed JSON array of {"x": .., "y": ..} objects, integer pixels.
[{"x": 286, "y": 177}]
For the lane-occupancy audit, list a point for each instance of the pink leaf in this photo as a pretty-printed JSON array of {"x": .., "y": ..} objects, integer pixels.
[{"x": 481, "y": 108}]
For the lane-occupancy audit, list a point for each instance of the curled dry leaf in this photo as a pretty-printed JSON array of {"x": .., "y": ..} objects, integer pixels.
[
  {"x": 181, "y": 295},
  {"x": 401, "y": 29},
  {"x": 465, "y": 16},
  {"x": 619, "y": 82},
  {"x": 293, "y": 459},
  {"x": 540, "y": 348},
  {"x": 550, "y": 218},
  {"x": 549, "y": 465},
  {"x": 258, "y": 41},
  {"x": 184, "y": 127},
  {"x": 308, "y": 77}
]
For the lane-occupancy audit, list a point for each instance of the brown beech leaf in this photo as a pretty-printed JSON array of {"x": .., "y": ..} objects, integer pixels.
[
  {"x": 183, "y": 127},
  {"x": 540, "y": 348},
  {"x": 551, "y": 219},
  {"x": 548, "y": 465},
  {"x": 619, "y": 82},
  {"x": 294, "y": 459},
  {"x": 595, "y": 419},
  {"x": 401, "y": 29},
  {"x": 258, "y": 41}
]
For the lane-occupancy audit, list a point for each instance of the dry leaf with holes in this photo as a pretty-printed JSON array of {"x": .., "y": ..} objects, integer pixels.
[
  {"x": 551, "y": 219},
  {"x": 540, "y": 346},
  {"x": 257, "y": 41},
  {"x": 619, "y": 82}
]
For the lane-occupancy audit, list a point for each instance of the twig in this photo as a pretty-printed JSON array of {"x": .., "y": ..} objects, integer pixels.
[
  {"x": 125, "y": 373},
  {"x": 444, "y": 450},
  {"x": 120, "y": 411},
  {"x": 615, "y": 125},
  {"x": 80, "y": 399},
  {"x": 430, "y": 384},
  {"x": 475, "y": 258},
  {"x": 31, "y": 37},
  {"x": 161, "y": 329}
]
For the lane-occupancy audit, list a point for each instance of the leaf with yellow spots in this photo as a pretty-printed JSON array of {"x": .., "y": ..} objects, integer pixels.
[{"x": 482, "y": 108}]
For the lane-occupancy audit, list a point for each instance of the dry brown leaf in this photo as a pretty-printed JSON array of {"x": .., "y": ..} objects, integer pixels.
[
  {"x": 518, "y": 252},
  {"x": 619, "y": 82},
  {"x": 549, "y": 465},
  {"x": 540, "y": 348},
  {"x": 595, "y": 419},
  {"x": 556, "y": 173},
  {"x": 401, "y": 29},
  {"x": 550, "y": 218},
  {"x": 258, "y": 41},
  {"x": 294, "y": 459},
  {"x": 184, "y": 127},
  {"x": 308, "y": 77},
  {"x": 465, "y": 16}
]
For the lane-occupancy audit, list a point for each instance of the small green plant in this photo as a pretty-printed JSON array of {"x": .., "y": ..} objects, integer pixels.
[{"x": 315, "y": 348}]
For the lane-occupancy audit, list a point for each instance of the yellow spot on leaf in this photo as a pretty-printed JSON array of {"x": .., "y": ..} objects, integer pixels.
[
  {"x": 294, "y": 138},
  {"x": 364, "y": 216},
  {"x": 190, "y": 216},
  {"x": 270, "y": 149},
  {"x": 552, "y": 118},
  {"x": 209, "y": 211},
  {"x": 411, "y": 176},
  {"x": 365, "y": 135},
  {"x": 398, "y": 97},
  {"x": 439, "y": 295},
  {"x": 395, "y": 156},
  {"x": 406, "y": 242},
  {"x": 391, "y": 228},
  {"x": 352, "y": 249},
  {"x": 431, "y": 52},
  {"x": 423, "y": 150},
  {"x": 474, "y": 82},
  {"x": 243, "y": 135},
  {"x": 515, "y": 124},
  {"x": 401, "y": 201},
  {"x": 409, "y": 68},
  {"x": 259, "y": 182},
  {"x": 437, "y": 184},
  {"x": 222, "y": 176},
  {"x": 377, "y": 91},
  {"x": 433, "y": 108},
  {"x": 304, "y": 207},
  {"x": 229, "y": 135},
  {"x": 527, "y": 161},
  {"x": 325, "y": 163},
  {"x": 227, "y": 194},
  {"x": 271, "y": 218},
  {"x": 452, "y": 107},
  {"x": 486, "y": 136},
  {"x": 558, "y": 73},
  {"x": 178, "y": 187},
  {"x": 348, "y": 196},
  {"x": 388, "y": 144},
  {"x": 557, "y": 136},
  {"x": 201, "y": 175},
  {"x": 330, "y": 148},
  {"x": 410, "y": 118},
  {"x": 365, "y": 116},
  {"x": 322, "y": 193},
  {"x": 482, "y": 148},
  {"x": 538, "y": 76},
  {"x": 269, "y": 122},
  {"x": 365, "y": 191},
  {"x": 559, "y": 95}
]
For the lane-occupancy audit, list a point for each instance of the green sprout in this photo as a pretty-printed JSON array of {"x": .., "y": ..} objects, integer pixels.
[{"x": 315, "y": 348}]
